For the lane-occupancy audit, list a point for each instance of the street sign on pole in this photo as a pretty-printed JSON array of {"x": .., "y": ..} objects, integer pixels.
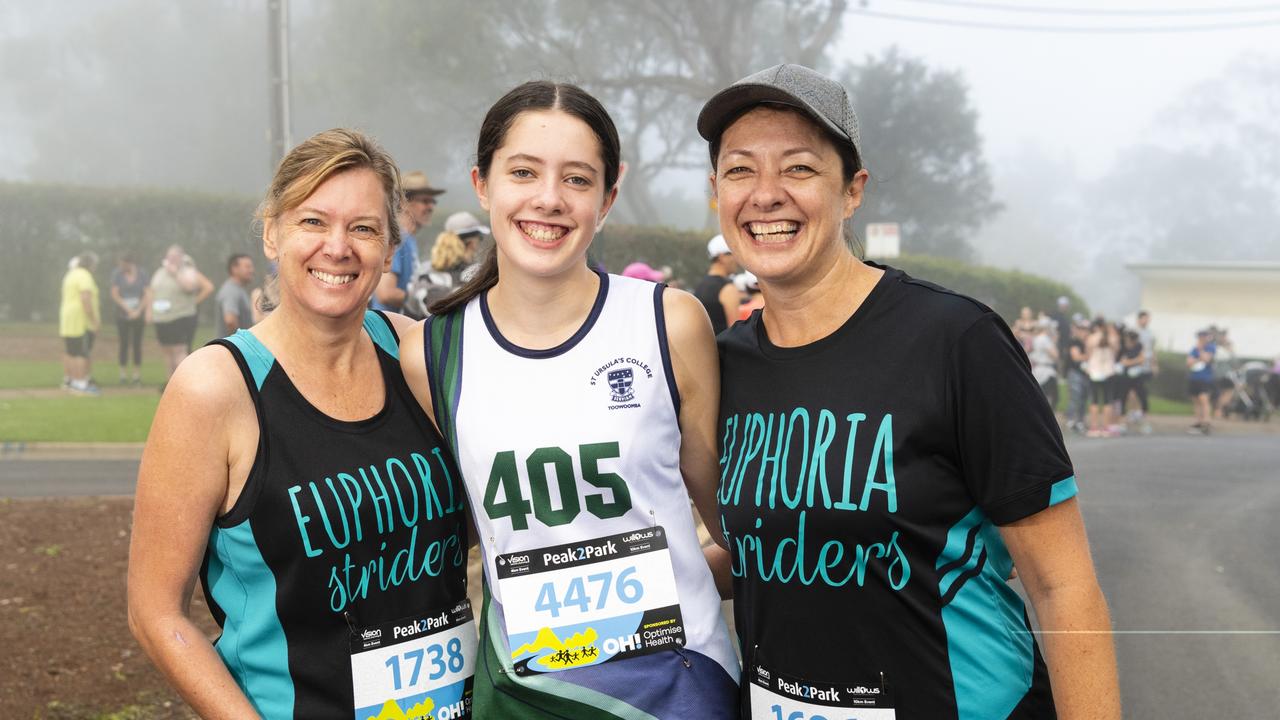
[{"x": 883, "y": 240}]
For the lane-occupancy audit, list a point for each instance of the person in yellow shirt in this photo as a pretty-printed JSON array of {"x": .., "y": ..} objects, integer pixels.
[{"x": 79, "y": 323}]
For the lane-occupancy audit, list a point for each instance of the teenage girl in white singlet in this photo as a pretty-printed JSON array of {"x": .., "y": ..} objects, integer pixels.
[{"x": 581, "y": 407}]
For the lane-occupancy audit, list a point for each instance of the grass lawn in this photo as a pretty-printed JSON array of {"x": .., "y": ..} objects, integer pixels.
[
  {"x": 126, "y": 417},
  {"x": 69, "y": 418},
  {"x": 27, "y": 374},
  {"x": 1165, "y": 406}
]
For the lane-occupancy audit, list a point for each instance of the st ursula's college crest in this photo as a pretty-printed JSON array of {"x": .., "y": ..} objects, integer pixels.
[{"x": 620, "y": 376}]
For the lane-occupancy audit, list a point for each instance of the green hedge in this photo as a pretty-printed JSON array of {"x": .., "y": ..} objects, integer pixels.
[
  {"x": 47, "y": 225},
  {"x": 620, "y": 245},
  {"x": 1005, "y": 291}
]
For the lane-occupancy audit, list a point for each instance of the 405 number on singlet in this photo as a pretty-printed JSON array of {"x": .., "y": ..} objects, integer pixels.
[{"x": 504, "y": 495}]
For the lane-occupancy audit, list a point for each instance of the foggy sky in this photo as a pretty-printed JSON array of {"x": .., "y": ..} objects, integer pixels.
[{"x": 1056, "y": 111}]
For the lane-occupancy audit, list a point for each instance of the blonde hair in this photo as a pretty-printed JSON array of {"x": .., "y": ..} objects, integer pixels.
[
  {"x": 448, "y": 252},
  {"x": 320, "y": 157}
]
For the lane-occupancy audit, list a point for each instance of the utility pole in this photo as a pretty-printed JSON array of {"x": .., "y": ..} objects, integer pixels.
[{"x": 278, "y": 57}]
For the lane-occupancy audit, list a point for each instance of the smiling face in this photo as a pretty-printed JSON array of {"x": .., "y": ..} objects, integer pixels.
[
  {"x": 332, "y": 249},
  {"x": 781, "y": 195},
  {"x": 545, "y": 193}
]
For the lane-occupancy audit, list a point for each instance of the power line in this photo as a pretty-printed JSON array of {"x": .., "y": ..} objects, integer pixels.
[
  {"x": 1069, "y": 29},
  {"x": 1102, "y": 12}
]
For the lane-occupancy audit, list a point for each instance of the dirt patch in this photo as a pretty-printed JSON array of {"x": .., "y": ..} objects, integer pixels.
[{"x": 68, "y": 653}]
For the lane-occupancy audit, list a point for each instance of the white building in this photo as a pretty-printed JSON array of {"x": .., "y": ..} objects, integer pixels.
[{"x": 1241, "y": 296}]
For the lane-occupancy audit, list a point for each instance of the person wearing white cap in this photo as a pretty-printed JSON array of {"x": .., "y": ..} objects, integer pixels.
[
  {"x": 453, "y": 262},
  {"x": 887, "y": 457},
  {"x": 715, "y": 290}
]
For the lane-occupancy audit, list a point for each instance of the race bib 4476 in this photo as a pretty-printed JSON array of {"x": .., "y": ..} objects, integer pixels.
[{"x": 590, "y": 602}]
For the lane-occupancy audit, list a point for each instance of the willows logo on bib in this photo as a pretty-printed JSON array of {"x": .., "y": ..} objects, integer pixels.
[{"x": 620, "y": 376}]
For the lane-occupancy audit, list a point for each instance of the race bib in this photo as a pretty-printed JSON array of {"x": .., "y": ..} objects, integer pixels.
[
  {"x": 590, "y": 602},
  {"x": 417, "y": 667},
  {"x": 775, "y": 696},
  {"x": 161, "y": 305},
  {"x": 131, "y": 303}
]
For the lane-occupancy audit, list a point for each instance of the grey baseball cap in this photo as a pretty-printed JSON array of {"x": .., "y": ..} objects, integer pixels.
[{"x": 822, "y": 98}]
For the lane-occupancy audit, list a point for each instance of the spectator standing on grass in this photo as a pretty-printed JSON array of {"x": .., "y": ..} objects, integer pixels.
[
  {"x": 177, "y": 289},
  {"x": 131, "y": 293},
  {"x": 1150, "y": 363},
  {"x": 79, "y": 322},
  {"x": 1100, "y": 365},
  {"x": 1077, "y": 378},
  {"x": 235, "y": 307},
  {"x": 1224, "y": 362},
  {"x": 1044, "y": 361},
  {"x": 1200, "y": 379},
  {"x": 1024, "y": 328},
  {"x": 716, "y": 290},
  {"x": 1129, "y": 367},
  {"x": 419, "y": 203},
  {"x": 453, "y": 262},
  {"x": 1063, "y": 323}
]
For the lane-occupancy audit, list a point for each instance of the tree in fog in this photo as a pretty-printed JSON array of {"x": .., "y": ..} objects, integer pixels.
[
  {"x": 652, "y": 63},
  {"x": 140, "y": 93},
  {"x": 920, "y": 137},
  {"x": 1205, "y": 185}
]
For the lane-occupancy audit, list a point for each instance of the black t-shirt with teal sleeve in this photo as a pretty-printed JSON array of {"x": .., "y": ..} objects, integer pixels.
[{"x": 863, "y": 480}]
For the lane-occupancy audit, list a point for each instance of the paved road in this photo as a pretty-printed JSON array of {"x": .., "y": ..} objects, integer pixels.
[
  {"x": 66, "y": 477},
  {"x": 1185, "y": 533}
]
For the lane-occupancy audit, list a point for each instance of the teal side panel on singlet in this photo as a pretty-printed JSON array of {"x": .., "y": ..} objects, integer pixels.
[
  {"x": 379, "y": 328},
  {"x": 256, "y": 355},
  {"x": 988, "y": 642},
  {"x": 255, "y": 651}
]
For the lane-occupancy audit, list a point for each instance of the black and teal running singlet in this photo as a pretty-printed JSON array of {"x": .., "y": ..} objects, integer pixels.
[
  {"x": 864, "y": 480},
  {"x": 348, "y": 540}
]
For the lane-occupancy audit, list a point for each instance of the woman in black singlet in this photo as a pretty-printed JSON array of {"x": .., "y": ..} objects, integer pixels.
[
  {"x": 886, "y": 456},
  {"x": 290, "y": 470}
]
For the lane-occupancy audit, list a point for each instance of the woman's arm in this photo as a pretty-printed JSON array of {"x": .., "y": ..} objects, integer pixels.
[
  {"x": 1051, "y": 553},
  {"x": 696, "y": 365},
  {"x": 697, "y": 376},
  {"x": 413, "y": 360},
  {"x": 204, "y": 434}
]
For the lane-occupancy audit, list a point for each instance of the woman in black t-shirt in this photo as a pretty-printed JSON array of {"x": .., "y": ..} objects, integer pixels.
[{"x": 886, "y": 457}]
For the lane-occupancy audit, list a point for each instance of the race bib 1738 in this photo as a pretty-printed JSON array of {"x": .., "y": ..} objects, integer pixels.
[{"x": 417, "y": 667}]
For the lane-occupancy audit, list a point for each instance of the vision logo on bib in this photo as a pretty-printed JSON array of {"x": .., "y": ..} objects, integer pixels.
[{"x": 620, "y": 376}]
